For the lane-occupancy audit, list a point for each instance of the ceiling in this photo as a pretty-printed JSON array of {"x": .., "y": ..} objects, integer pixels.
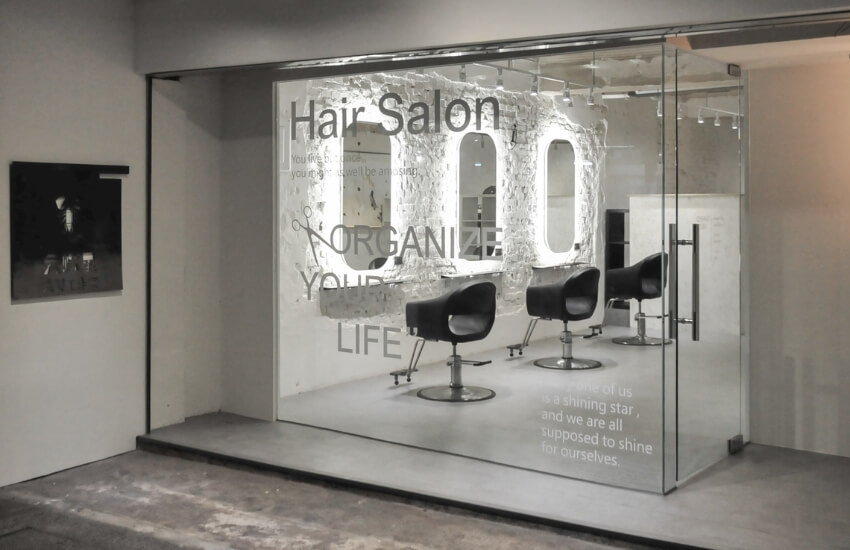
[
  {"x": 784, "y": 54},
  {"x": 778, "y": 45},
  {"x": 641, "y": 69}
]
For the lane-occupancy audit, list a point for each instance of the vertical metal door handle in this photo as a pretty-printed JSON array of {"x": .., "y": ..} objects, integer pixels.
[
  {"x": 695, "y": 284},
  {"x": 673, "y": 282}
]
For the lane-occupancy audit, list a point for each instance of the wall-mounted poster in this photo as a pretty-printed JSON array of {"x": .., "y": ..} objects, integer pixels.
[{"x": 66, "y": 229}]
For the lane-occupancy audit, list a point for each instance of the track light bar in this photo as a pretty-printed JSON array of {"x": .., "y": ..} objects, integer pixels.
[{"x": 500, "y": 85}]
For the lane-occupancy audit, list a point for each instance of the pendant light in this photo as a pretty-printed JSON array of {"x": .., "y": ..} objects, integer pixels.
[{"x": 566, "y": 97}]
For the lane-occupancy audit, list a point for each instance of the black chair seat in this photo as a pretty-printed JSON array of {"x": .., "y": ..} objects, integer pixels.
[
  {"x": 640, "y": 281},
  {"x": 464, "y": 326},
  {"x": 465, "y": 314}
]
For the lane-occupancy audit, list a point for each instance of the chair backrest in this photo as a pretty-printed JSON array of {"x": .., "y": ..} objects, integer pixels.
[
  {"x": 640, "y": 281},
  {"x": 650, "y": 274},
  {"x": 580, "y": 294}
]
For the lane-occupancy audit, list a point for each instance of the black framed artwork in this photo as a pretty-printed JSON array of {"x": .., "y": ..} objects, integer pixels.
[{"x": 65, "y": 229}]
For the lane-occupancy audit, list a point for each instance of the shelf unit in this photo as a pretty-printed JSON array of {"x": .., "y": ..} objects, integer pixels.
[{"x": 616, "y": 245}]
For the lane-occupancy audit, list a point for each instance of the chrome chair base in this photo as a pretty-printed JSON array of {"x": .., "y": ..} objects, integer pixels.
[
  {"x": 566, "y": 361},
  {"x": 639, "y": 340},
  {"x": 560, "y": 363},
  {"x": 462, "y": 394}
]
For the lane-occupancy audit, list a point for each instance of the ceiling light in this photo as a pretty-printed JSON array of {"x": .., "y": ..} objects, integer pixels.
[
  {"x": 680, "y": 112},
  {"x": 700, "y": 120},
  {"x": 566, "y": 97},
  {"x": 500, "y": 85},
  {"x": 659, "y": 113},
  {"x": 535, "y": 85},
  {"x": 590, "y": 100},
  {"x": 717, "y": 119},
  {"x": 463, "y": 73},
  {"x": 735, "y": 122}
]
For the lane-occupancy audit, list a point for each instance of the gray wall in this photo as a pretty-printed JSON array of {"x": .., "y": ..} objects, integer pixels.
[
  {"x": 186, "y": 229},
  {"x": 72, "y": 371},
  {"x": 248, "y": 256},
  {"x": 800, "y": 257},
  {"x": 212, "y": 254},
  {"x": 183, "y": 34}
]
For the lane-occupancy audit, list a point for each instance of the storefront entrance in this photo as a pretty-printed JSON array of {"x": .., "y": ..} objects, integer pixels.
[{"x": 531, "y": 261}]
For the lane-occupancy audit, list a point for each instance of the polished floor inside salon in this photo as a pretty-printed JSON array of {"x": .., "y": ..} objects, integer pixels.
[{"x": 516, "y": 427}]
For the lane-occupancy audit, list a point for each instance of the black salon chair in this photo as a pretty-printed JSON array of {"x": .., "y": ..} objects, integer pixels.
[
  {"x": 465, "y": 314},
  {"x": 641, "y": 281},
  {"x": 570, "y": 300}
]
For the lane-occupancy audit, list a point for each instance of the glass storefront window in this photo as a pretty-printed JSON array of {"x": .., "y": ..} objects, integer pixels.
[{"x": 567, "y": 170}]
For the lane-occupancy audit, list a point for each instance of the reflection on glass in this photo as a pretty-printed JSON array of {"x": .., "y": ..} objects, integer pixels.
[
  {"x": 477, "y": 190},
  {"x": 617, "y": 424},
  {"x": 560, "y": 196},
  {"x": 710, "y": 195},
  {"x": 366, "y": 193}
]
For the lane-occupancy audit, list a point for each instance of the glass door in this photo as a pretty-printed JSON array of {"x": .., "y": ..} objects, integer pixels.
[{"x": 704, "y": 244}]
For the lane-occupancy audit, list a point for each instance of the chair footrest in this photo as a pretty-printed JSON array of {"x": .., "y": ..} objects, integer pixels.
[
  {"x": 595, "y": 330},
  {"x": 402, "y": 372},
  {"x": 516, "y": 347},
  {"x": 475, "y": 363}
]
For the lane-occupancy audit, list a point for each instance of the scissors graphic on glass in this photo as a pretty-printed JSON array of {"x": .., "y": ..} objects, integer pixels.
[{"x": 297, "y": 225}]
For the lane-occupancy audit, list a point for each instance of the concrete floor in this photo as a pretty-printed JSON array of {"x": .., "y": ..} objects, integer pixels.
[
  {"x": 143, "y": 500},
  {"x": 764, "y": 497}
]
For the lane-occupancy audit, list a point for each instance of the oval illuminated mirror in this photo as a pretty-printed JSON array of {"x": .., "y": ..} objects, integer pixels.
[
  {"x": 366, "y": 194},
  {"x": 560, "y": 196},
  {"x": 477, "y": 197}
]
